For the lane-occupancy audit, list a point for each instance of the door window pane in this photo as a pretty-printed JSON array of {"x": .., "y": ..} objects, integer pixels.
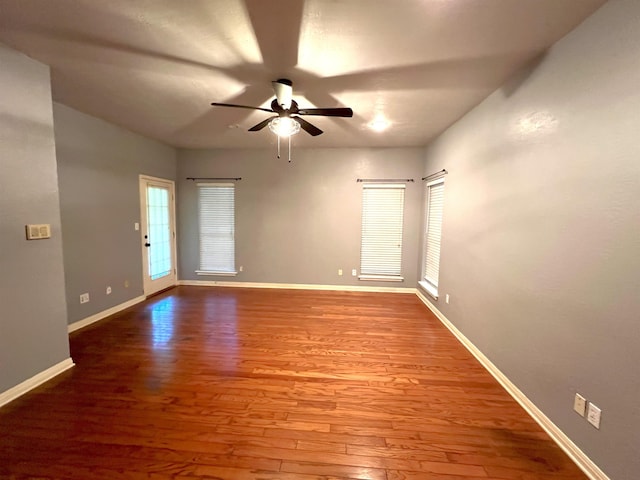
[{"x": 159, "y": 232}]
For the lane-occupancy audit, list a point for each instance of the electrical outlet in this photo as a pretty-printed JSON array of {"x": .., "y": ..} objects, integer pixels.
[
  {"x": 354, "y": 272},
  {"x": 580, "y": 404},
  {"x": 108, "y": 290},
  {"x": 340, "y": 272},
  {"x": 126, "y": 284},
  {"x": 241, "y": 268},
  {"x": 84, "y": 298},
  {"x": 446, "y": 298},
  {"x": 593, "y": 415}
]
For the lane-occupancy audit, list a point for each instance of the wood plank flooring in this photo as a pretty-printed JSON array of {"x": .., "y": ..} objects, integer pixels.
[{"x": 231, "y": 383}]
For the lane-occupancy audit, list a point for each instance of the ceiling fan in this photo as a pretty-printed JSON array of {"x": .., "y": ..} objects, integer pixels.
[{"x": 288, "y": 119}]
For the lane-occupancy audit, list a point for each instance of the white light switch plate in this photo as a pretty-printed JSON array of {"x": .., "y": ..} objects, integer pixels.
[
  {"x": 38, "y": 231},
  {"x": 593, "y": 415},
  {"x": 580, "y": 405}
]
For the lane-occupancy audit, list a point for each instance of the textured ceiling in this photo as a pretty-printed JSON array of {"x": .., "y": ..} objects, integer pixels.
[{"x": 154, "y": 66}]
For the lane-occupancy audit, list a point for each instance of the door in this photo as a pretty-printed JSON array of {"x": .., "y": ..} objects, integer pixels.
[{"x": 157, "y": 208}]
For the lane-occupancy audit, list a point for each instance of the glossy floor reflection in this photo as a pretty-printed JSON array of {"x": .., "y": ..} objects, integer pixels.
[
  {"x": 230, "y": 383},
  {"x": 163, "y": 317}
]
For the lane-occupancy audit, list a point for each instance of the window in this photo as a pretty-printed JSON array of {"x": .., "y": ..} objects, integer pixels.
[
  {"x": 216, "y": 216},
  {"x": 381, "y": 249},
  {"x": 432, "y": 235}
]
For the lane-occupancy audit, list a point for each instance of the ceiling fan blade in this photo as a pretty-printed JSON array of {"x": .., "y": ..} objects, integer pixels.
[
  {"x": 261, "y": 125},
  {"x": 284, "y": 92},
  {"x": 327, "y": 112},
  {"x": 240, "y": 106},
  {"x": 308, "y": 127}
]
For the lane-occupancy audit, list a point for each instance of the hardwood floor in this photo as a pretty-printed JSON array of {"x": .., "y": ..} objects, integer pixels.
[{"x": 229, "y": 383}]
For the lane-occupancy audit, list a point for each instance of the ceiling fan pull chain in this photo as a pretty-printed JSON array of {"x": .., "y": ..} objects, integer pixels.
[
  {"x": 289, "y": 148},
  {"x": 278, "y": 146}
]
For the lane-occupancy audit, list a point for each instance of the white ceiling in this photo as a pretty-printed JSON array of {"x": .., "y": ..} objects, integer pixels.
[{"x": 154, "y": 66}]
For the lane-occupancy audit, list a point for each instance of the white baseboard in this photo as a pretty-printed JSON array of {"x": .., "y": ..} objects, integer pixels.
[
  {"x": 564, "y": 442},
  {"x": 35, "y": 381},
  {"x": 297, "y": 286},
  {"x": 105, "y": 313}
]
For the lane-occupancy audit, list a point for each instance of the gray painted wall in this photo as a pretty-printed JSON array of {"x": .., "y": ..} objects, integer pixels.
[
  {"x": 298, "y": 222},
  {"x": 33, "y": 332},
  {"x": 541, "y": 233},
  {"x": 98, "y": 166}
]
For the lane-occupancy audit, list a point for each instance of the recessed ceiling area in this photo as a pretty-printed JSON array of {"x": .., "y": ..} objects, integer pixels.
[{"x": 154, "y": 67}]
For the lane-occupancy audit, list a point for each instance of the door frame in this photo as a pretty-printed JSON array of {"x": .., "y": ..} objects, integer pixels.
[{"x": 144, "y": 180}]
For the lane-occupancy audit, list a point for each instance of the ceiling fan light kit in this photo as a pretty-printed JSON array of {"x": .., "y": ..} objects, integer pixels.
[
  {"x": 284, "y": 126},
  {"x": 289, "y": 119}
]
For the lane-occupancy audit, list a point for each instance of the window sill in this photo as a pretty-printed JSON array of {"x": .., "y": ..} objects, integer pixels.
[
  {"x": 430, "y": 289},
  {"x": 217, "y": 274},
  {"x": 381, "y": 278}
]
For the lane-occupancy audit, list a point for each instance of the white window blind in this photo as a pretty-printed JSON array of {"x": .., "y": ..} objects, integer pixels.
[
  {"x": 382, "y": 214},
  {"x": 433, "y": 231},
  {"x": 216, "y": 215}
]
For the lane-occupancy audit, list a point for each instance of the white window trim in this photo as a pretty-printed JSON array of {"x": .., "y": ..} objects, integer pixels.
[
  {"x": 430, "y": 289},
  {"x": 224, "y": 273},
  {"x": 217, "y": 274},
  {"x": 425, "y": 283},
  {"x": 382, "y": 277}
]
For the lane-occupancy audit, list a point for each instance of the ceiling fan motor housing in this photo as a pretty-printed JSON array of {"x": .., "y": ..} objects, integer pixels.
[{"x": 283, "y": 88}]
